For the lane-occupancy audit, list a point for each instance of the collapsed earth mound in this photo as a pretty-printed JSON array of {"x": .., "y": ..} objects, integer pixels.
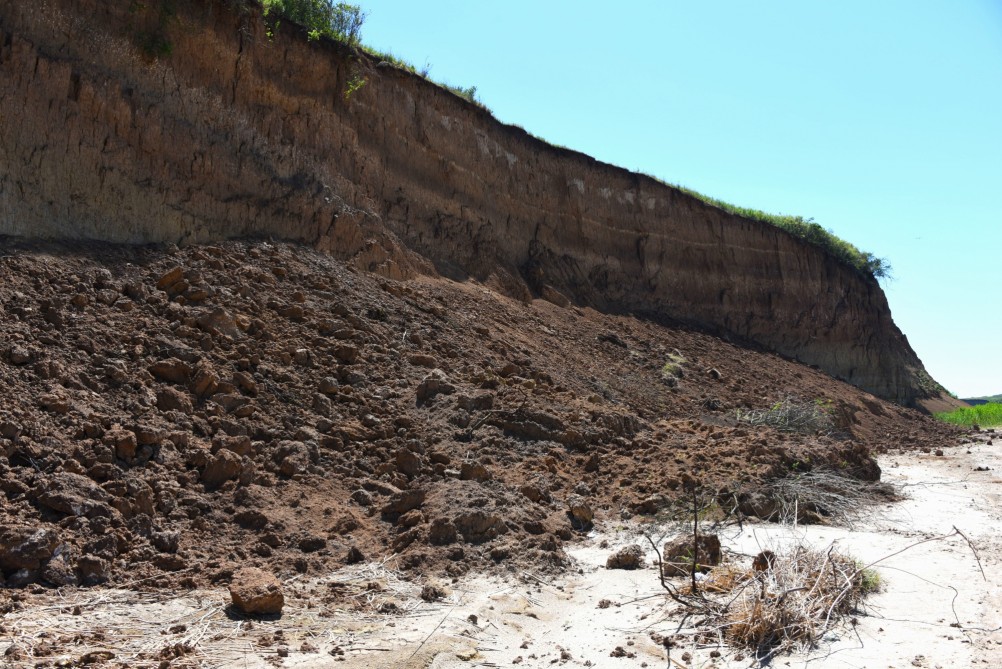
[{"x": 170, "y": 416}]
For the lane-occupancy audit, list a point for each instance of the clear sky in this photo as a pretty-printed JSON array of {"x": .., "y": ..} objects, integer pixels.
[{"x": 882, "y": 120}]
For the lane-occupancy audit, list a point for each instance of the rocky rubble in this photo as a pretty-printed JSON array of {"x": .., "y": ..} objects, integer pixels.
[{"x": 172, "y": 416}]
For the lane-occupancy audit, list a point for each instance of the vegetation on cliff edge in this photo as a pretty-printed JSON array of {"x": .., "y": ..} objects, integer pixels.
[
  {"x": 321, "y": 18},
  {"x": 812, "y": 233},
  {"x": 805, "y": 229},
  {"x": 343, "y": 22},
  {"x": 469, "y": 93}
]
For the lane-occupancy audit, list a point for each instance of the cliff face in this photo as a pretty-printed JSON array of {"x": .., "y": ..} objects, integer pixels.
[{"x": 235, "y": 134}]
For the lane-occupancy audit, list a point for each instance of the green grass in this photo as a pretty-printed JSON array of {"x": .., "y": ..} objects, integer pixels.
[
  {"x": 869, "y": 581},
  {"x": 805, "y": 229},
  {"x": 985, "y": 415},
  {"x": 469, "y": 93},
  {"x": 396, "y": 61}
]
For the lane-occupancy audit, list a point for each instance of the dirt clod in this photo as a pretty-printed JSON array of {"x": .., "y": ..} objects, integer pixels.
[
  {"x": 630, "y": 557},
  {"x": 256, "y": 592},
  {"x": 681, "y": 555}
]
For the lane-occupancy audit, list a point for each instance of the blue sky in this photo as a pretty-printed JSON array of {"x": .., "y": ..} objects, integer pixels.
[{"x": 881, "y": 120}]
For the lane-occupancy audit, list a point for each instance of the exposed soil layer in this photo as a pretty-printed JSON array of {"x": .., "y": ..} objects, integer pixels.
[
  {"x": 245, "y": 130},
  {"x": 169, "y": 416}
]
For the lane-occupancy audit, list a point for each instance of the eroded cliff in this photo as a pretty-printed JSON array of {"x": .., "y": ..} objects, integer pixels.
[{"x": 238, "y": 134}]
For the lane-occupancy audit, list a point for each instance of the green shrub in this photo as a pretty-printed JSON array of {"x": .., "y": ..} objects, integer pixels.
[
  {"x": 355, "y": 84},
  {"x": 322, "y": 18},
  {"x": 468, "y": 93}
]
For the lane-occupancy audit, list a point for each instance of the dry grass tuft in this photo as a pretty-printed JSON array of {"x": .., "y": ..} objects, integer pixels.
[
  {"x": 794, "y": 602},
  {"x": 841, "y": 499},
  {"x": 793, "y": 415},
  {"x": 786, "y": 601}
]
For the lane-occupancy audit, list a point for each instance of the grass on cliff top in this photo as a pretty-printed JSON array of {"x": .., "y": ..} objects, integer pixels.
[
  {"x": 805, "y": 229},
  {"x": 812, "y": 233},
  {"x": 985, "y": 415},
  {"x": 469, "y": 93},
  {"x": 343, "y": 22}
]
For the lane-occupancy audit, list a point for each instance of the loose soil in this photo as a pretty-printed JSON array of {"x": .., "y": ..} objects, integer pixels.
[
  {"x": 935, "y": 608},
  {"x": 171, "y": 416}
]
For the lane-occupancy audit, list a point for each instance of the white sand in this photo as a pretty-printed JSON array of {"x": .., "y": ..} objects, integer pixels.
[{"x": 936, "y": 610}]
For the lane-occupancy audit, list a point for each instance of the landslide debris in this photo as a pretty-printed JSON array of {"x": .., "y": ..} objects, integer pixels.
[{"x": 172, "y": 416}]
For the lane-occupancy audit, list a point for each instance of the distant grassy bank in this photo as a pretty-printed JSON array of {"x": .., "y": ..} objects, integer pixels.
[
  {"x": 985, "y": 415},
  {"x": 983, "y": 400}
]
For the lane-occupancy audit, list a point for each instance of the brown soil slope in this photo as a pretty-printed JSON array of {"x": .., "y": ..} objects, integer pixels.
[
  {"x": 170, "y": 414},
  {"x": 237, "y": 134}
]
